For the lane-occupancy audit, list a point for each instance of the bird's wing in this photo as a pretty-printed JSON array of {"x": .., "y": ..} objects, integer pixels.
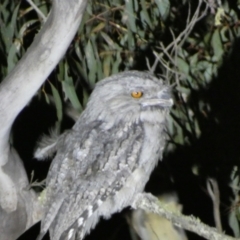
[{"x": 89, "y": 168}]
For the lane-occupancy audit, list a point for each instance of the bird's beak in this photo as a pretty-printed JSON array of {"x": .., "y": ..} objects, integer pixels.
[
  {"x": 166, "y": 103},
  {"x": 163, "y": 99}
]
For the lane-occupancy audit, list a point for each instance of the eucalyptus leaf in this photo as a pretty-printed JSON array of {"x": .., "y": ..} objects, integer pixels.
[
  {"x": 183, "y": 66},
  {"x": 217, "y": 45},
  {"x": 91, "y": 62},
  {"x": 8, "y": 30},
  {"x": 116, "y": 63},
  {"x": 107, "y": 65},
  {"x": 69, "y": 90},
  {"x": 144, "y": 14},
  {"x": 130, "y": 16},
  {"x": 58, "y": 102},
  {"x": 12, "y": 57},
  {"x": 163, "y": 7},
  {"x": 234, "y": 223}
]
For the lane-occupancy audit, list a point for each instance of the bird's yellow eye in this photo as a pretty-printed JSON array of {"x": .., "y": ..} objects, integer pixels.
[{"x": 137, "y": 94}]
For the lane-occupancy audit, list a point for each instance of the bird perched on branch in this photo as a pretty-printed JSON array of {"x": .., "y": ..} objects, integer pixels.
[{"x": 105, "y": 160}]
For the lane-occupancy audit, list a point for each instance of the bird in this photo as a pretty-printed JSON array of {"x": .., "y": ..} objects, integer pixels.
[{"x": 107, "y": 157}]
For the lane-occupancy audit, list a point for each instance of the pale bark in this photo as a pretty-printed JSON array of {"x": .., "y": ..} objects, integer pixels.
[
  {"x": 149, "y": 203},
  {"x": 16, "y": 91}
]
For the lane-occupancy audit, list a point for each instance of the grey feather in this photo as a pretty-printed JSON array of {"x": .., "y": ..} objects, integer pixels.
[
  {"x": 108, "y": 155},
  {"x": 46, "y": 146}
]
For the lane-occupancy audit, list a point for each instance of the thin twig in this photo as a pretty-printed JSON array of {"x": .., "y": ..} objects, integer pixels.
[
  {"x": 39, "y": 12},
  {"x": 172, "y": 50},
  {"x": 212, "y": 5}
]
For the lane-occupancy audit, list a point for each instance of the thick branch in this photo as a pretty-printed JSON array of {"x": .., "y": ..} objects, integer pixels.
[
  {"x": 21, "y": 84},
  {"x": 42, "y": 56},
  {"x": 150, "y": 203}
]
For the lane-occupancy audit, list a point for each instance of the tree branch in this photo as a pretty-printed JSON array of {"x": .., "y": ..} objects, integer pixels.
[
  {"x": 150, "y": 203},
  {"x": 16, "y": 90},
  {"x": 31, "y": 71}
]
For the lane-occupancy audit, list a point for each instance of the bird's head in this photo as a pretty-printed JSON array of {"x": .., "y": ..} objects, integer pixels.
[{"x": 129, "y": 96}]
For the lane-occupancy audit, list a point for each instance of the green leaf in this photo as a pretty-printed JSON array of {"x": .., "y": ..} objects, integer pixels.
[
  {"x": 7, "y": 31},
  {"x": 163, "y": 7},
  {"x": 99, "y": 27},
  {"x": 12, "y": 56},
  {"x": 130, "y": 16},
  {"x": 116, "y": 63},
  {"x": 91, "y": 62},
  {"x": 219, "y": 16},
  {"x": 69, "y": 90},
  {"x": 144, "y": 14},
  {"x": 61, "y": 71},
  {"x": 107, "y": 65},
  {"x": 130, "y": 40},
  {"x": 216, "y": 44},
  {"x": 233, "y": 223},
  {"x": 58, "y": 102},
  {"x": 136, "y": 6},
  {"x": 46, "y": 97},
  {"x": 108, "y": 40},
  {"x": 183, "y": 66}
]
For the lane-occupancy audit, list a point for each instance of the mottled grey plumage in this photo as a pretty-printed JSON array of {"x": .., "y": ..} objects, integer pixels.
[{"x": 108, "y": 155}]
